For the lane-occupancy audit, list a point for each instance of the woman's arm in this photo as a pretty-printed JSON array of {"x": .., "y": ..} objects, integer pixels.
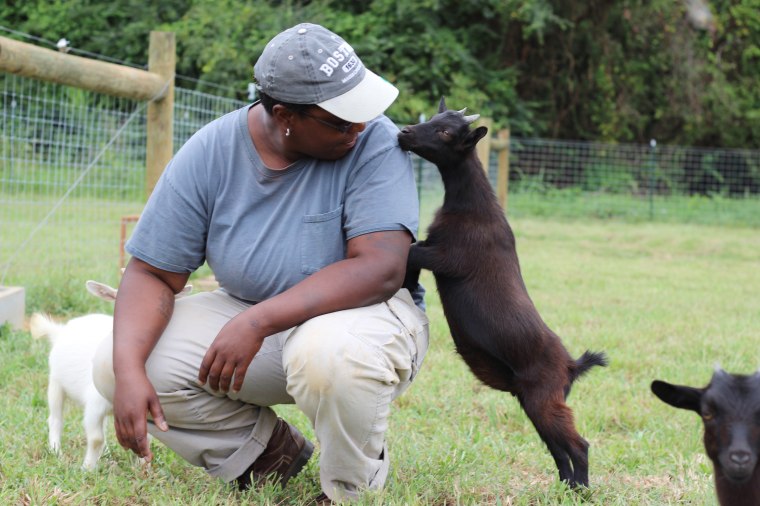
[
  {"x": 144, "y": 305},
  {"x": 372, "y": 272}
]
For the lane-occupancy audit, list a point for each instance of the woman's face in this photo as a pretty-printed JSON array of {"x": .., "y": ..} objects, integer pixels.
[{"x": 318, "y": 134}]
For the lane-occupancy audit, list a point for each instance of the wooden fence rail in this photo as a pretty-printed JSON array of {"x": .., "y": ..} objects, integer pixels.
[{"x": 156, "y": 85}]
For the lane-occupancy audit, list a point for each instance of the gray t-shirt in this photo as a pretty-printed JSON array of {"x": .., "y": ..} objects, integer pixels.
[{"x": 262, "y": 230}]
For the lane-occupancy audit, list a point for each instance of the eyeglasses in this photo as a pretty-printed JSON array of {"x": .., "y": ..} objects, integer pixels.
[{"x": 342, "y": 127}]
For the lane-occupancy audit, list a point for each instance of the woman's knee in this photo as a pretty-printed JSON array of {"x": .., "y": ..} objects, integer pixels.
[{"x": 324, "y": 358}]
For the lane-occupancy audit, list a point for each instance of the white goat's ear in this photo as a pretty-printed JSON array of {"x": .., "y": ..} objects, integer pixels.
[
  {"x": 472, "y": 118},
  {"x": 184, "y": 292},
  {"x": 101, "y": 290},
  {"x": 442, "y": 105}
]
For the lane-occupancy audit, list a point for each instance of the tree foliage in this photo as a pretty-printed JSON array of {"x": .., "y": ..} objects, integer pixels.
[{"x": 613, "y": 70}]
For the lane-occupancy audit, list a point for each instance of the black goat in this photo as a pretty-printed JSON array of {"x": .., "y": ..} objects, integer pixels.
[
  {"x": 730, "y": 409},
  {"x": 470, "y": 248}
]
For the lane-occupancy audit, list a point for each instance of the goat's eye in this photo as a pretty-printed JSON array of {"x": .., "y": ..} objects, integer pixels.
[{"x": 709, "y": 413}]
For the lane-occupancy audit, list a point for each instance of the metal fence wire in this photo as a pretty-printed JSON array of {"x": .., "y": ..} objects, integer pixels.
[
  {"x": 635, "y": 169},
  {"x": 654, "y": 182},
  {"x": 73, "y": 166}
]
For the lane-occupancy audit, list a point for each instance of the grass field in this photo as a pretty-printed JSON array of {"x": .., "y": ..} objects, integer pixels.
[
  {"x": 665, "y": 301},
  {"x": 571, "y": 203},
  {"x": 52, "y": 256}
]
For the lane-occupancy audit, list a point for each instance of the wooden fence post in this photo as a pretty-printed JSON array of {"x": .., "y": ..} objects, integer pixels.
[
  {"x": 502, "y": 176},
  {"x": 160, "y": 131},
  {"x": 483, "y": 147},
  {"x": 500, "y": 144}
]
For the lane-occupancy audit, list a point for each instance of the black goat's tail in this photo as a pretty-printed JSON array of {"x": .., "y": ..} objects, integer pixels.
[{"x": 586, "y": 362}]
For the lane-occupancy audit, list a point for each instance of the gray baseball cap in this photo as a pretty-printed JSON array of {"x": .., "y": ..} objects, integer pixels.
[{"x": 309, "y": 64}]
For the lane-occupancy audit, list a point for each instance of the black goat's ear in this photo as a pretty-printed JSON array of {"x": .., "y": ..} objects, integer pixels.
[
  {"x": 442, "y": 105},
  {"x": 474, "y": 136},
  {"x": 679, "y": 396}
]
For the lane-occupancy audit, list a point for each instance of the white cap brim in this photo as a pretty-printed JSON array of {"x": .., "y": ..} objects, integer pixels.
[{"x": 365, "y": 101}]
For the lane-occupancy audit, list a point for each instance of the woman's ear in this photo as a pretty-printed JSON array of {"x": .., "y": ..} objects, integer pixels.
[{"x": 282, "y": 114}]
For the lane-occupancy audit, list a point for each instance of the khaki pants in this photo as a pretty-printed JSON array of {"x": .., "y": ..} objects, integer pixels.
[{"x": 342, "y": 369}]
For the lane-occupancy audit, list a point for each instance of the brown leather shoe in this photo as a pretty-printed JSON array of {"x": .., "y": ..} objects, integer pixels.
[{"x": 284, "y": 457}]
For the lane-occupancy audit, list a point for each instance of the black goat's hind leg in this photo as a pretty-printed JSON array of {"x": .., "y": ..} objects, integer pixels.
[
  {"x": 561, "y": 459},
  {"x": 553, "y": 421},
  {"x": 579, "y": 456}
]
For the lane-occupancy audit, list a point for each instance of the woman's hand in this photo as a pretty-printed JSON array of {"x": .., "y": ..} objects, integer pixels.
[
  {"x": 135, "y": 397},
  {"x": 231, "y": 353},
  {"x": 372, "y": 272}
]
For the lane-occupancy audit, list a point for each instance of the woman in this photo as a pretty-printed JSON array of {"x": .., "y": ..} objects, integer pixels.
[{"x": 304, "y": 207}]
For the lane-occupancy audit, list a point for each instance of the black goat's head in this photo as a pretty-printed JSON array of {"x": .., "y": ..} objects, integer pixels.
[
  {"x": 730, "y": 409},
  {"x": 445, "y": 139}
]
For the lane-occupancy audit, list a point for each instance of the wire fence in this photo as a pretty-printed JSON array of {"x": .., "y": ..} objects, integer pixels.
[
  {"x": 73, "y": 167},
  {"x": 637, "y": 182}
]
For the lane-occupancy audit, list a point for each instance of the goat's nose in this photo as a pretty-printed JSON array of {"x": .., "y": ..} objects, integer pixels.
[
  {"x": 740, "y": 457},
  {"x": 405, "y": 130}
]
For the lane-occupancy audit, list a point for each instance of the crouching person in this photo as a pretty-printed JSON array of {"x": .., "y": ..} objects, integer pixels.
[{"x": 304, "y": 207}]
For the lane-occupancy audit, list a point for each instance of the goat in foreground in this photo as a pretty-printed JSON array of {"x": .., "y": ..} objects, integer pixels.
[
  {"x": 70, "y": 361},
  {"x": 470, "y": 248},
  {"x": 730, "y": 409}
]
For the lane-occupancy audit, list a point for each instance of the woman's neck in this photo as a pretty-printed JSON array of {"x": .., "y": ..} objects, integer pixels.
[{"x": 267, "y": 140}]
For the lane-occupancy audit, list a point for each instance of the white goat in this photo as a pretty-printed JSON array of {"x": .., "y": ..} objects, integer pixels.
[{"x": 73, "y": 347}]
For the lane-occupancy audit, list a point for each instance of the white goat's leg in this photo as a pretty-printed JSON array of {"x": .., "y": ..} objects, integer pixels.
[
  {"x": 56, "y": 398},
  {"x": 94, "y": 426}
]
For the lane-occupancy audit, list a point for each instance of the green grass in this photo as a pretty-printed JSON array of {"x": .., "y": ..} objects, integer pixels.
[
  {"x": 52, "y": 259},
  {"x": 695, "y": 209},
  {"x": 665, "y": 301},
  {"x": 80, "y": 240}
]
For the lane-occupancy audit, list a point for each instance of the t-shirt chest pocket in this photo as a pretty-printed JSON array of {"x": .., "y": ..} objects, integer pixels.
[{"x": 322, "y": 241}]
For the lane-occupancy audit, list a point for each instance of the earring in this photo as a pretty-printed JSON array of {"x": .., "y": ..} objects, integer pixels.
[{"x": 287, "y": 132}]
